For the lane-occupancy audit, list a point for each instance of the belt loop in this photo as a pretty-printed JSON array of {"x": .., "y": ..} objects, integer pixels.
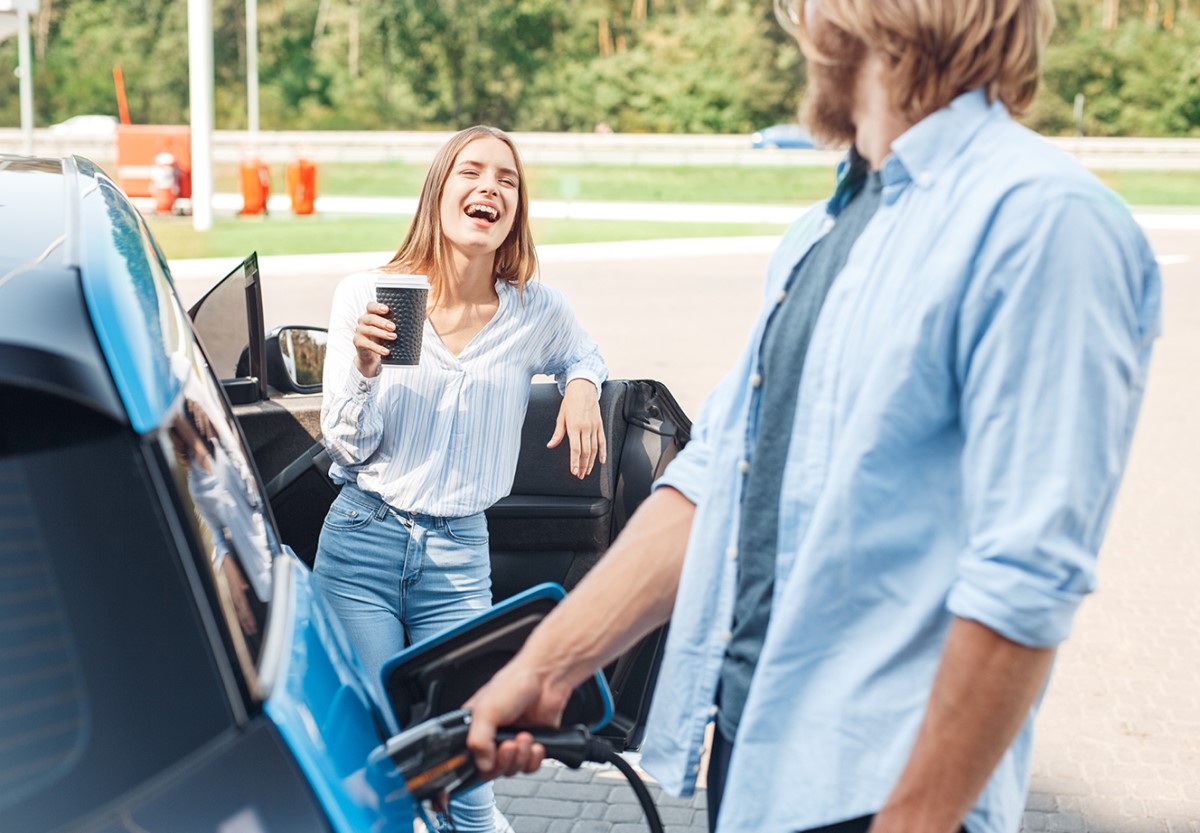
[{"x": 382, "y": 511}]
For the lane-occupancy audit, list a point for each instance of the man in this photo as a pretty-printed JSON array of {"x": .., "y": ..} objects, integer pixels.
[{"x": 891, "y": 508}]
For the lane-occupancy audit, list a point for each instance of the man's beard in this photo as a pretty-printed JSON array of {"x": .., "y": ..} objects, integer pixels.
[{"x": 827, "y": 109}]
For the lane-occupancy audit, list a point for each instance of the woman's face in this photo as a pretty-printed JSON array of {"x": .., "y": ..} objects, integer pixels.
[{"x": 479, "y": 199}]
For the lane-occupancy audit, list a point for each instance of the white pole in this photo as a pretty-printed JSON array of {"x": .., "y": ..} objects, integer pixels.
[
  {"x": 25, "y": 69},
  {"x": 200, "y": 87},
  {"x": 252, "y": 69}
]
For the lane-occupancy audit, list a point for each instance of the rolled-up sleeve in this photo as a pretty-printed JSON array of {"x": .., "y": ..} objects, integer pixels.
[
  {"x": 1053, "y": 347},
  {"x": 351, "y": 421},
  {"x": 689, "y": 473}
]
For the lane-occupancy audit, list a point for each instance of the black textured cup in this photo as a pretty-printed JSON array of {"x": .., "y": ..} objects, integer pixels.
[{"x": 405, "y": 297}]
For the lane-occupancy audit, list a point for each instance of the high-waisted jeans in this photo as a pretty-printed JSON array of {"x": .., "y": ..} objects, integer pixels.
[{"x": 395, "y": 578}]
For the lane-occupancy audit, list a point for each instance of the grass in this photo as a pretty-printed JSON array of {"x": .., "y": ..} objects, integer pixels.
[
  {"x": 286, "y": 234},
  {"x": 712, "y": 184},
  {"x": 280, "y": 235},
  {"x": 634, "y": 183},
  {"x": 1155, "y": 188}
]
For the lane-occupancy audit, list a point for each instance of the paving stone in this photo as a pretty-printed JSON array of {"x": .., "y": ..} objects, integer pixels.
[
  {"x": 676, "y": 815},
  {"x": 1065, "y": 823},
  {"x": 519, "y": 786},
  {"x": 623, "y": 812},
  {"x": 1125, "y": 825},
  {"x": 1041, "y": 801},
  {"x": 521, "y": 807},
  {"x": 594, "y": 810},
  {"x": 579, "y": 826},
  {"x": 583, "y": 775},
  {"x": 1033, "y": 821},
  {"x": 574, "y": 792},
  {"x": 530, "y": 824}
]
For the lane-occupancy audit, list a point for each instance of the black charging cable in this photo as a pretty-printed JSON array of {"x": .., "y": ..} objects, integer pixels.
[
  {"x": 434, "y": 760},
  {"x": 576, "y": 745}
]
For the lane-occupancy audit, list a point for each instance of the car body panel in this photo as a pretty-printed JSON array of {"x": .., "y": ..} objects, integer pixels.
[
  {"x": 323, "y": 712},
  {"x": 175, "y": 714}
]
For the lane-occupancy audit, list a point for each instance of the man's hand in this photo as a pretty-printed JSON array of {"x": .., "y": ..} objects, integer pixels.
[
  {"x": 579, "y": 421},
  {"x": 371, "y": 334},
  {"x": 982, "y": 694},
  {"x": 519, "y": 695}
]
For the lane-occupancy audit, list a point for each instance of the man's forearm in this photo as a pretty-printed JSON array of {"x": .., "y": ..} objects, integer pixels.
[
  {"x": 625, "y": 596},
  {"x": 982, "y": 694}
]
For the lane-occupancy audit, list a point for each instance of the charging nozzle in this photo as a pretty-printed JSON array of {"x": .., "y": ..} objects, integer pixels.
[{"x": 434, "y": 759}]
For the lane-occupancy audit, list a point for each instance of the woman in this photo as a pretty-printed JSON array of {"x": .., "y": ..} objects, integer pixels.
[{"x": 422, "y": 451}]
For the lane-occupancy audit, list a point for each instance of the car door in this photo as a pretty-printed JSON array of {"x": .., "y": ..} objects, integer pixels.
[{"x": 551, "y": 527}]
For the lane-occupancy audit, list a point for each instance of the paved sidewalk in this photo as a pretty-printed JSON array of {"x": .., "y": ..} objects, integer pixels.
[{"x": 591, "y": 799}]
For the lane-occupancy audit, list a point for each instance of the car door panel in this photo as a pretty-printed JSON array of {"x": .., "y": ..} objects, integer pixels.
[{"x": 555, "y": 527}]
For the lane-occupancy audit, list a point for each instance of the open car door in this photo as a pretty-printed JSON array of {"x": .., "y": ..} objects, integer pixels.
[{"x": 552, "y": 527}]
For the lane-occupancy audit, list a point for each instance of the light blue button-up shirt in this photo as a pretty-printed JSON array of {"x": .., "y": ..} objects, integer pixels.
[{"x": 966, "y": 410}]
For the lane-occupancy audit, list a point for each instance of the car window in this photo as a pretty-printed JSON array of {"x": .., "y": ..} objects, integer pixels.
[
  {"x": 212, "y": 471},
  {"x": 221, "y": 320},
  {"x": 107, "y": 670}
]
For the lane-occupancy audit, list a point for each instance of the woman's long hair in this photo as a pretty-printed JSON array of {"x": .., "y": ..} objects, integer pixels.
[{"x": 425, "y": 250}]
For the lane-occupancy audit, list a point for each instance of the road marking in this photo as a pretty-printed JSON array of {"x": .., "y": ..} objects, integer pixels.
[{"x": 1172, "y": 260}]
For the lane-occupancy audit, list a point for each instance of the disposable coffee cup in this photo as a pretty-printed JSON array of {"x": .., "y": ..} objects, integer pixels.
[{"x": 405, "y": 297}]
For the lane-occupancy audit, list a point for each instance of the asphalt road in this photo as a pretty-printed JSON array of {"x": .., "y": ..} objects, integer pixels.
[{"x": 1118, "y": 744}]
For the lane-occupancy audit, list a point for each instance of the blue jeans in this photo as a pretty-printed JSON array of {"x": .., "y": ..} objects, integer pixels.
[{"x": 395, "y": 578}]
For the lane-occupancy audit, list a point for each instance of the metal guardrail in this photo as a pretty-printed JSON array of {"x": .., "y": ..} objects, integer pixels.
[{"x": 583, "y": 148}]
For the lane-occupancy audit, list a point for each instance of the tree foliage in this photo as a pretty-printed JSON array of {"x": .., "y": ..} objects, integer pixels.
[{"x": 692, "y": 66}]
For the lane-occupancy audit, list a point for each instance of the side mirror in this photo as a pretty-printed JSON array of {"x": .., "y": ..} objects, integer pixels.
[
  {"x": 438, "y": 675},
  {"x": 296, "y": 359}
]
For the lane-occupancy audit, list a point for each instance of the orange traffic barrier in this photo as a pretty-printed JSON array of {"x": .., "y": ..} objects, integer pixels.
[
  {"x": 302, "y": 185},
  {"x": 137, "y": 147},
  {"x": 255, "y": 180},
  {"x": 165, "y": 182}
]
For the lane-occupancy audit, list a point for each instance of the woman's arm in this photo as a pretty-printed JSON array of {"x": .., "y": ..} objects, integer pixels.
[
  {"x": 575, "y": 361},
  {"x": 351, "y": 422}
]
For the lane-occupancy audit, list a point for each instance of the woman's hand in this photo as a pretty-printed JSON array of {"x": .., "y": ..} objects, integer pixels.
[
  {"x": 371, "y": 334},
  {"x": 579, "y": 421}
]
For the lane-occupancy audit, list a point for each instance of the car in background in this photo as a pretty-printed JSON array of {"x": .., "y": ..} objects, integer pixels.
[
  {"x": 782, "y": 136},
  {"x": 91, "y": 125},
  {"x": 167, "y": 664}
]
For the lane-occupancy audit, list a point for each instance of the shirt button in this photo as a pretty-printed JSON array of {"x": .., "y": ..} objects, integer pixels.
[
  {"x": 779, "y": 298},
  {"x": 756, "y": 380},
  {"x": 712, "y": 710},
  {"x": 925, "y": 179},
  {"x": 731, "y": 553},
  {"x": 726, "y": 636},
  {"x": 743, "y": 466}
]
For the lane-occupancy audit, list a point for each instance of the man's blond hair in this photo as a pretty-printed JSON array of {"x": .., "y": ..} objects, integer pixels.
[{"x": 937, "y": 49}]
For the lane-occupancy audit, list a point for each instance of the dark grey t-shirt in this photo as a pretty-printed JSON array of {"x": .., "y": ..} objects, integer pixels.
[{"x": 781, "y": 359}]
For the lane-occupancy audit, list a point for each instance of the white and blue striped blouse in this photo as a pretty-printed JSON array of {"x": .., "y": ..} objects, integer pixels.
[{"x": 442, "y": 438}]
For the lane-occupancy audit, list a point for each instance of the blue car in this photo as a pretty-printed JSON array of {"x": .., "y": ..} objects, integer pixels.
[
  {"x": 782, "y": 136},
  {"x": 165, "y": 664}
]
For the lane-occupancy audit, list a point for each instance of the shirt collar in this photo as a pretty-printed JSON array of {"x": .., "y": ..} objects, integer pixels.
[
  {"x": 925, "y": 149},
  {"x": 921, "y": 153}
]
